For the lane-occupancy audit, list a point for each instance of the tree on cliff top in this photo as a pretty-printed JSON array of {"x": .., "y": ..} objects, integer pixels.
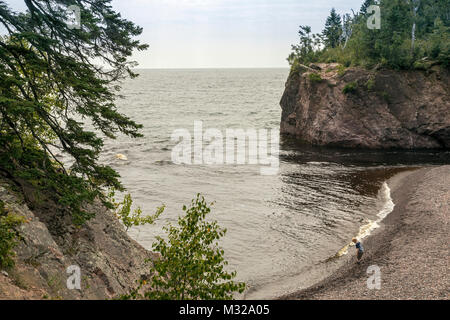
[
  {"x": 366, "y": 5},
  {"x": 304, "y": 52},
  {"x": 49, "y": 81},
  {"x": 333, "y": 30},
  {"x": 413, "y": 34}
]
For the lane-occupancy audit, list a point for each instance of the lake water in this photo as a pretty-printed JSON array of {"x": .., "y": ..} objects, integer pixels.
[{"x": 280, "y": 227}]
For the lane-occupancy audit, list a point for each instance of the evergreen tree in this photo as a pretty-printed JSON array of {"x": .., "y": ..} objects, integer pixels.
[
  {"x": 49, "y": 86},
  {"x": 411, "y": 31},
  {"x": 333, "y": 30},
  {"x": 366, "y": 5}
]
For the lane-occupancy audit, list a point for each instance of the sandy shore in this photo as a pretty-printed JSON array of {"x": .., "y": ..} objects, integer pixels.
[{"x": 411, "y": 247}]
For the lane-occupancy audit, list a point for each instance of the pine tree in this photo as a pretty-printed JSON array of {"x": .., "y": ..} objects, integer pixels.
[
  {"x": 411, "y": 30},
  {"x": 366, "y": 5},
  {"x": 333, "y": 30},
  {"x": 49, "y": 86}
]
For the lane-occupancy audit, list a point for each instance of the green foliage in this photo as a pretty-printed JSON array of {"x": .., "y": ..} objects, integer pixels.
[
  {"x": 296, "y": 68},
  {"x": 333, "y": 30},
  {"x": 9, "y": 236},
  {"x": 370, "y": 84},
  {"x": 122, "y": 210},
  {"x": 438, "y": 45},
  {"x": 410, "y": 31},
  {"x": 315, "y": 78},
  {"x": 49, "y": 87},
  {"x": 192, "y": 264},
  {"x": 366, "y": 5},
  {"x": 341, "y": 70},
  {"x": 350, "y": 87},
  {"x": 306, "y": 51}
]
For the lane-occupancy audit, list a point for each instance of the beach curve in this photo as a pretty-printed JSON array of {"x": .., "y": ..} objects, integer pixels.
[{"x": 410, "y": 246}]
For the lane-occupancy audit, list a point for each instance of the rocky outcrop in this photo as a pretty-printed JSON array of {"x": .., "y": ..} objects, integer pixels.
[
  {"x": 328, "y": 105},
  {"x": 110, "y": 262}
]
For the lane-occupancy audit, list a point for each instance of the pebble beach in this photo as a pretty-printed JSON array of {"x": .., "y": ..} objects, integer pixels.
[{"x": 411, "y": 247}]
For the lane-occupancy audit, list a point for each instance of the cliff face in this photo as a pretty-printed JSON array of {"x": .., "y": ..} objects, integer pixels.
[
  {"x": 110, "y": 262},
  {"x": 379, "y": 109}
]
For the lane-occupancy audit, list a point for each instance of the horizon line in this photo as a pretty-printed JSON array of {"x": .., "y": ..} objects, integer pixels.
[{"x": 198, "y": 68}]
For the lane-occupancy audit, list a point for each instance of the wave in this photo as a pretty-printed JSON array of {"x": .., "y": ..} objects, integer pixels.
[
  {"x": 319, "y": 163},
  {"x": 366, "y": 230}
]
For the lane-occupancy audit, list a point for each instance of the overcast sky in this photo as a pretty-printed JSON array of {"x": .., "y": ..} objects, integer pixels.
[{"x": 222, "y": 33}]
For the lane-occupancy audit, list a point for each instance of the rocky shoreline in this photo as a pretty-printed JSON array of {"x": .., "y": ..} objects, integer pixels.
[
  {"x": 410, "y": 248},
  {"x": 111, "y": 263}
]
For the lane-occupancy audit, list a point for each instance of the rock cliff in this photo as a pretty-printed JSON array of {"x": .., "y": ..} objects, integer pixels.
[
  {"x": 328, "y": 105},
  {"x": 110, "y": 262}
]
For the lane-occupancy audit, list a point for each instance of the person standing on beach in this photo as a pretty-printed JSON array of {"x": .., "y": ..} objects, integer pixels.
[{"x": 359, "y": 249}]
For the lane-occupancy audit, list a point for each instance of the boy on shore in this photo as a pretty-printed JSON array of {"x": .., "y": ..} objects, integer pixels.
[{"x": 359, "y": 249}]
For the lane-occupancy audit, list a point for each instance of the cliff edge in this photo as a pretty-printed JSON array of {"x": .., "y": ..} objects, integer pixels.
[{"x": 328, "y": 105}]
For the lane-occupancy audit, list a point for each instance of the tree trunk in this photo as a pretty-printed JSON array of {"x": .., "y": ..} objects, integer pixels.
[{"x": 416, "y": 4}]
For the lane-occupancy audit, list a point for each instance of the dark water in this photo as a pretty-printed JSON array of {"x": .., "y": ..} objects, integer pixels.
[{"x": 279, "y": 226}]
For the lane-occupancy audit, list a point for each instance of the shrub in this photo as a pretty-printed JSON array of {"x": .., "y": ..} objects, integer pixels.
[
  {"x": 296, "y": 67},
  {"x": 191, "y": 266},
  {"x": 350, "y": 87},
  {"x": 341, "y": 70},
  {"x": 420, "y": 65},
  {"x": 315, "y": 78},
  {"x": 370, "y": 84},
  {"x": 9, "y": 236}
]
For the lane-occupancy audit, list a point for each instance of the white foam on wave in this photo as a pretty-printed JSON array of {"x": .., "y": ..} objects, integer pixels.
[{"x": 366, "y": 230}]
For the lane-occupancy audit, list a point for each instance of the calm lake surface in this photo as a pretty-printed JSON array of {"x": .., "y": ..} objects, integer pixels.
[{"x": 280, "y": 227}]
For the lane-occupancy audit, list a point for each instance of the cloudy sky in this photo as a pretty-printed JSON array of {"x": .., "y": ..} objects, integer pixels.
[{"x": 222, "y": 33}]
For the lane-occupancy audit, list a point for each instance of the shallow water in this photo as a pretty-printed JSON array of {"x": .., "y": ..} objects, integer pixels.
[{"x": 280, "y": 226}]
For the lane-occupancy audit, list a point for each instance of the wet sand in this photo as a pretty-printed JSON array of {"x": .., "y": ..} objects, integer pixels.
[{"x": 411, "y": 247}]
